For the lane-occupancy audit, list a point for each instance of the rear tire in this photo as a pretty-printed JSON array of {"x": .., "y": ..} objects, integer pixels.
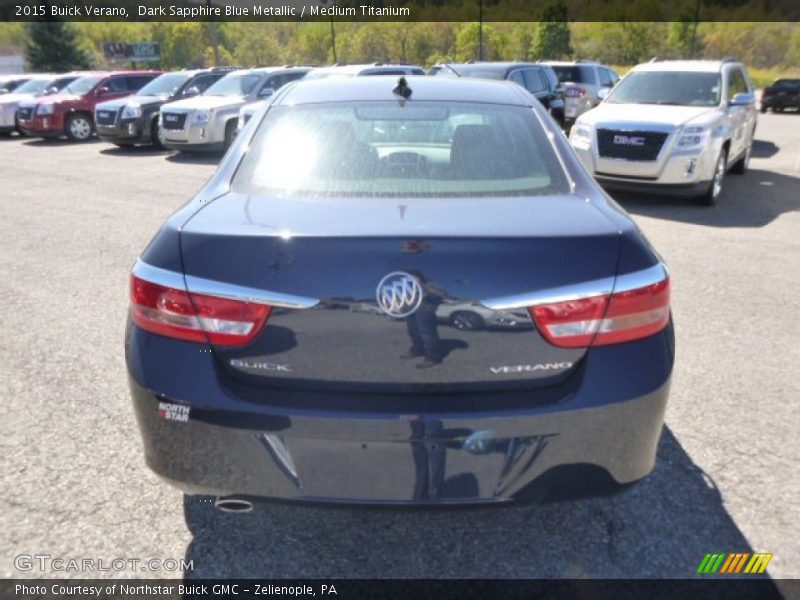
[
  {"x": 711, "y": 197},
  {"x": 79, "y": 128}
]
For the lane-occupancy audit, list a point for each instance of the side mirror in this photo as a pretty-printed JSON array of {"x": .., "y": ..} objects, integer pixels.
[
  {"x": 266, "y": 93},
  {"x": 4, "y": 90},
  {"x": 51, "y": 90},
  {"x": 191, "y": 91},
  {"x": 602, "y": 93},
  {"x": 103, "y": 90},
  {"x": 743, "y": 99}
]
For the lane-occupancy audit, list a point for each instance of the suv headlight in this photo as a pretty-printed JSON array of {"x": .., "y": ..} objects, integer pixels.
[
  {"x": 201, "y": 117},
  {"x": 131, "y": 111},
  {"x": 693, "y": 136},
  {"x": 44, "y": 109},
  {"x": 581, "y": 133}
]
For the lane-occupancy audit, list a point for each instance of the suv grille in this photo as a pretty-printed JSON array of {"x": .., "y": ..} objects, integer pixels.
[
  {"x": 106, "y": 117},
  {"x": 630, "y": 145},
  {"x": 173, "y": 120},
  {"x": 25, "y": 113}
]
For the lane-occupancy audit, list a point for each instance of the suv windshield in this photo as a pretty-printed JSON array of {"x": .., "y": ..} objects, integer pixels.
[
  {"x": 82, "y": 85},
  {"x": 574, "y": 74},
  {"x": 164, "y": 85},
  {"x": 383, "y": 149},
  {"x": 32, "y": 86},
  {"x": 679, "y": 88},
  {"x": 233, "y": 85}
]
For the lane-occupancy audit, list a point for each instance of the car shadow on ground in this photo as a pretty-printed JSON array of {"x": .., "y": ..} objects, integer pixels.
[
  {"x": 195, "y": 158},
  {"x": 662, "y": 527},
  {"x": 133, "y": 151},
  {"x": 764, "y": 149},
  {"x": 33, "y": 141},
  {"x": 751, "y": 200}
]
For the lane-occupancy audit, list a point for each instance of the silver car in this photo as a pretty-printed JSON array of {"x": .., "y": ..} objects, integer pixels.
[
  {"x": 208, "y": 122},
  {"x": 582, "y": 81}
]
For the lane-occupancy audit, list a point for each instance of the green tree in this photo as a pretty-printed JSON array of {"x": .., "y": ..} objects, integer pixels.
[
  {"x": 553, "y": 38},
  {"x": 52, "y": 46}
]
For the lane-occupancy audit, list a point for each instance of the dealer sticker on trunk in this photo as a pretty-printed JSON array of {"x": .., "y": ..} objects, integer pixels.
[{"x": 173, "y": 412}]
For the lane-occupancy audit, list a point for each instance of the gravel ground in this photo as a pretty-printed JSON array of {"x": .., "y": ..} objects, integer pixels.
[{"x": 73, "y": 219}]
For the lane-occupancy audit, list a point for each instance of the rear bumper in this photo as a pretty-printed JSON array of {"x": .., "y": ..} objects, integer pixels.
[{"x": 601, "y": 428}]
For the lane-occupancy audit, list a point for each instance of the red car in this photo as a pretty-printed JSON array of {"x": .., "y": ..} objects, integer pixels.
[{"x": 71, "y": 112}]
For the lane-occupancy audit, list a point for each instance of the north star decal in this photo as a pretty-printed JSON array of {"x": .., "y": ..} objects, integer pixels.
[{"x": 560, "y": 366}]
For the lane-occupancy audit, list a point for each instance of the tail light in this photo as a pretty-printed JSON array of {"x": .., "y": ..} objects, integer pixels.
[
  {"x": 603, "y": 320},
  {"x": 195, "y": 317},
  {"x": 575, "y": 92}
]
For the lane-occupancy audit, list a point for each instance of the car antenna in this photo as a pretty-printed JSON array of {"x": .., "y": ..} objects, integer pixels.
[
  {"x": 452, "y": 69},
  {"x": 402, "y": 88}
]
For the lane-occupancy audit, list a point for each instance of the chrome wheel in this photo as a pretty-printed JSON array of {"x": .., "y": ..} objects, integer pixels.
[{"x": 80, "y": 128}]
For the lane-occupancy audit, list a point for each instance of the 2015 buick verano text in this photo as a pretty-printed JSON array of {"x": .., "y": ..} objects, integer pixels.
[{"x": 286, "y": 338}]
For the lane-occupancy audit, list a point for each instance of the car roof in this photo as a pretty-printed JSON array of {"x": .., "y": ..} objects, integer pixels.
[
  {"x": 698, "y": 66},
  {"x": 423, "y": 88},
  {"x": 495, "y": 64},
  {"x": 356, "y": 69},
  {"x": 571, "y": 63},
  {"x": 110, "y": 73}
]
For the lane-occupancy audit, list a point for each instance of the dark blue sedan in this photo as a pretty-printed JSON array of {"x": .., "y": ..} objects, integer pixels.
[{"x": 286, "y": 337}]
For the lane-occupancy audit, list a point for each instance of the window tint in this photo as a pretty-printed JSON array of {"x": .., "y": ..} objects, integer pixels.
[
  {"x": 137, "y": 82},
  {"x": 605, "y": 78},
  {"x": 116, "y": 85},
  {"x": 575, "y": 74},
  {"x": 517, "y": 77},
  {"x": 613, "y": 76},
  {"x": 534, "y": 82},
  {"x": 202, "y": 82},
  {"x": 383, "y": 149},
  {"x": 736, "y": 83}
]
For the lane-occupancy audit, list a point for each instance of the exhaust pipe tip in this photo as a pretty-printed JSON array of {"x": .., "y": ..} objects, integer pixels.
[{"x": 234, "y": 505}]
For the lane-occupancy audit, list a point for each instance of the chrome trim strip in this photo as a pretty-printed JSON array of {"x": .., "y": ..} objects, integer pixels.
[
  {"x": 158, "y": 275},
  {"x": 597, "y": 287},
  {"x": 200, "y": 285},
  {"x": 637, "y": 279}
]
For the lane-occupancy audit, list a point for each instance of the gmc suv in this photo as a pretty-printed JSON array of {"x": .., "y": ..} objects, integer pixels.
[
  {"x": 38, "y": 85},
  {"x": 208, "y": 122},
  {"x": 71, "y": 112},
  {"x": 673, "y": 127},
  {"x": 134, "y": 120}
]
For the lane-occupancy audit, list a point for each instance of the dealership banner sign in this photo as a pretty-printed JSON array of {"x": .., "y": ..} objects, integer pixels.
[
  {"x": 139, "y": 52},
  {"x": 401, "y": 10}
]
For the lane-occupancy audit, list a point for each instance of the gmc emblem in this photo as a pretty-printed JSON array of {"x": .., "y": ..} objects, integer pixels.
[{"x": 629, "y": 140}]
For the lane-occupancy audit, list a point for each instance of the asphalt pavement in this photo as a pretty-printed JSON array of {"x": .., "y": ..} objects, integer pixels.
[{"x": 73, "y": 218}]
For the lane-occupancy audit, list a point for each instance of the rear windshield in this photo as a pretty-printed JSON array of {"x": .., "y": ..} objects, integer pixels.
[
  {"x": 574, "y": 74},
  {"x": 787, "y": 85},
  {"x": 385, "y": 149},
  {"x": 233, "y": 85},
  {"x": 32, "y": 86}
]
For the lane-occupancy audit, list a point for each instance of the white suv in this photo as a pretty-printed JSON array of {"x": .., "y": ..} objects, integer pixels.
[{"x": 673, "y": 127}]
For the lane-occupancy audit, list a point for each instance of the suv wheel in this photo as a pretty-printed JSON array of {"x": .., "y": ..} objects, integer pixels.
[
  {"x": 711, "y": 197},
  {"x": 79, "y": 128}
]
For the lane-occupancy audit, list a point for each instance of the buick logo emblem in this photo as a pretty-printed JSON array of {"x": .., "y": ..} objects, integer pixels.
[{"x": 399, "y": 294}]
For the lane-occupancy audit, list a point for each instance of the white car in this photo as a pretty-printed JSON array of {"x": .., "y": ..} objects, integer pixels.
[
  {"x": 208, "y": 122},
  {"x": 672, "y": 127},
  {"x": 40, "y": 84}
]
